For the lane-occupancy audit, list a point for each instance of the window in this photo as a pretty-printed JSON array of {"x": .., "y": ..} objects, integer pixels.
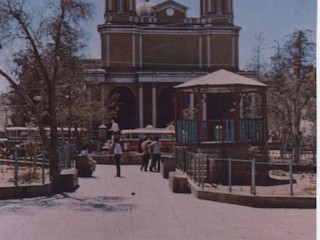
[
  {"x": 219, "y": 7},
  {"x": 120, "y": 6}
]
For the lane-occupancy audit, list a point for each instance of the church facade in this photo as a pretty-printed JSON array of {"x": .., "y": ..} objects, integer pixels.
[{"x": 148, "y": 48}]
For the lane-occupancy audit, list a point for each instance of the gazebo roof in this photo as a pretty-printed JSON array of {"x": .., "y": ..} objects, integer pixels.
[{"x": 221, "y": 81}]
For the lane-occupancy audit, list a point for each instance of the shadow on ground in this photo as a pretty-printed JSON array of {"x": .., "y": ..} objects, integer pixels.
[{"x": 101, "y": 203}]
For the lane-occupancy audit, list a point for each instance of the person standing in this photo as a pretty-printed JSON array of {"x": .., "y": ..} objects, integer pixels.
[
  {"x": 145, "y": 155},
  {"x": 115, "y": 130},
  {"x": 156, "y": 155},
  {"x": 117, "y": 155}
]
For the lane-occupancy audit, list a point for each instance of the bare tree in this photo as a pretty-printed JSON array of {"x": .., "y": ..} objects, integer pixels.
[
  {"x": 48, "y": 38},
  {"x": 292, "y": 84}
]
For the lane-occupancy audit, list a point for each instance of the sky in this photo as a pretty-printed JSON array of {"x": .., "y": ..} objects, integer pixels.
[{"x": 274, "y": 19}]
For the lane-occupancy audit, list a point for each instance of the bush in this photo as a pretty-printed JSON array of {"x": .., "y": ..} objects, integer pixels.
[{"x": 28, "y": 177}]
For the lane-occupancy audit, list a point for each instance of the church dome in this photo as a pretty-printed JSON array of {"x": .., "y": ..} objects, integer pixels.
[{"x": 144, "y": 9}]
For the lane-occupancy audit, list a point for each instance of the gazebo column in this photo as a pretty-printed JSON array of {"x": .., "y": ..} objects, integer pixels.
[
  {"x": 199, "y": 117},
  {"x": 191, "y": 105},
  {"x": 140, "y": 104},
  {"x": 154, "y": 105},
  {"x": 205, "y": 113},
  {"x": 264, "y": 116},
  {"x": 181, "y": 95},
  {"x": 176, "y": 110},
  {"x": 237, "y": 116},
  {"x": 179, "y": 117},
  {"x": 175, "y": 107},
  {"x": 204, "y": 108}
]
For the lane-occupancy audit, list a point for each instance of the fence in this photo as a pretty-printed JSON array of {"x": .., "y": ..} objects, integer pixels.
[
  {"x": 306, "y": 155},
  {"x": 67, "y": 154},
  {"x": 247, "y": 176},
  {"x": 22, "y": 169},
  {"x": 222, "y": 131},
  {"x": 31, "y": 165}
]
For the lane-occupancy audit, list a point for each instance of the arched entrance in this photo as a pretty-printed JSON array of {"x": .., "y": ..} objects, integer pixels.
[
  {"x": 126, "y": 117},
  {"x": 166, "y": 107}
]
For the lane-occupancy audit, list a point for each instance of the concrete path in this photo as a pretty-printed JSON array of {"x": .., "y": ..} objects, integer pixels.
[{"x": 141, "y": 206}]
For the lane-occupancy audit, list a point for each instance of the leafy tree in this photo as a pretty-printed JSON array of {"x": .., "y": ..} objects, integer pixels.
[
  {"x": 292, "y": 83},
  {"x": 45, "y": 43}
]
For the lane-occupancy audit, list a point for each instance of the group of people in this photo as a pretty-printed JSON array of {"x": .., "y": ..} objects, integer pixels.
[{"x": 150, "y": 150}]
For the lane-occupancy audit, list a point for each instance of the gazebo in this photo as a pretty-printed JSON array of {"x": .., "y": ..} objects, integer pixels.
[{"x": 221, "y": 109}]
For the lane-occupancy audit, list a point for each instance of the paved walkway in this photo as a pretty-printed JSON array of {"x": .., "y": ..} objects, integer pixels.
[{"x": 140, "y": 206}]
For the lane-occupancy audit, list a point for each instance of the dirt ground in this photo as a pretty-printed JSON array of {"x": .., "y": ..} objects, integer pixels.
[{"x": 27, "y": 175}]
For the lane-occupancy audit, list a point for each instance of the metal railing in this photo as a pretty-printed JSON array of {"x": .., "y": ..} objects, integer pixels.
[
  {"x": 31, "y": 166},
  {"x": 67, "y": 154},
  {"x": 306, "y": 155},
  {"x": 247, "y": 176},
  {"x": 24, "y": 170},
  {"x": 221, "y": 131}
]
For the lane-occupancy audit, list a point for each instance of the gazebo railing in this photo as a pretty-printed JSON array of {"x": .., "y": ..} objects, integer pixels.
[
  {"x": 220, "y": 131},
  {"x": 251, "y": 130}
]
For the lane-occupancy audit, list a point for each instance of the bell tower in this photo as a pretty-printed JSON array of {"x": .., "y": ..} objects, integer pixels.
[
  {"x": 120, "y": 7},
  {"x": 217, "y": 9}
]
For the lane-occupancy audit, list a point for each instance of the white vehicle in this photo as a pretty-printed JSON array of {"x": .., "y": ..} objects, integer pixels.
[{"x": 131, "y": 138}]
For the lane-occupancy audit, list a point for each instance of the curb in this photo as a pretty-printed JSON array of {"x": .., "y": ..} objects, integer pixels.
[
  {"x": 20, "y": 192},
  {"x": 266, "y": 201}
]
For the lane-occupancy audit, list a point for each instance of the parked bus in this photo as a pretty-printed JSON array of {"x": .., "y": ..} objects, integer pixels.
[
  {"x": 31, "y": 134},
  {"x": 131, "y": 138}
]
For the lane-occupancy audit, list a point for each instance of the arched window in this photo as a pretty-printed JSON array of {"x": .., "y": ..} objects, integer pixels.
[
  {"x": 126, "y": 110},
  {"x": 165, "y": 110}
]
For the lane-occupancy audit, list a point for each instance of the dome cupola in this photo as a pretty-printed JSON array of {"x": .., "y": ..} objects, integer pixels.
[{"x": 144, "y": 9}]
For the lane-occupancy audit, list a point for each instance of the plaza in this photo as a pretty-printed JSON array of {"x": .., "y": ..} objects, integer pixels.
[{"x": 140, "y": 205}]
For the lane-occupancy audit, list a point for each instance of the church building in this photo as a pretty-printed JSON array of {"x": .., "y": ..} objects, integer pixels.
[{"x": 148, "y": 48}]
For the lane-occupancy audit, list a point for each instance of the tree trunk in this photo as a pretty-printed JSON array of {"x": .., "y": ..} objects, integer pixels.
[
  {"x": 296, "y": 148},
  {"x": 296, "y": 155},
  {"x": 54, "y": 166},
  {"x": 54, "y": 158}
]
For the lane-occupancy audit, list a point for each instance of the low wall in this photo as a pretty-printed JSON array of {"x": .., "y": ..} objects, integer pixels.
[
  {"x": 25, "y": 191},
  {"x": 218, "y": 172},
  {"x": 131, "y": 158},
  {"x": 168, "y": 164},
  {"x": 254, "y": 201}
]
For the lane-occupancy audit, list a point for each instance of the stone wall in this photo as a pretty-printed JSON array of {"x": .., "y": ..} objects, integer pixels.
[{"x": 126, "y": 158}]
